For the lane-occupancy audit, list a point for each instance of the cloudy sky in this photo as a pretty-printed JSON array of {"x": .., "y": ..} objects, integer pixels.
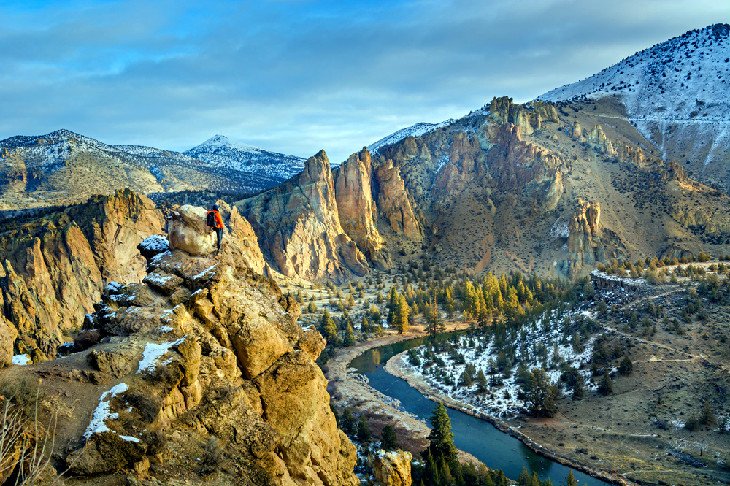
[{"x": 295, "y": 76}]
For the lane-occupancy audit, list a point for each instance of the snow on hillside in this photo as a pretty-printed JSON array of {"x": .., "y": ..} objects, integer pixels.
[
  {"x": 221, "y": 152},
  {"x": 684, "y": 80},
  {"x": 55, "y": 148},
  {"x": 413, "y": 131},
  {"x": 543, "y": 343}
]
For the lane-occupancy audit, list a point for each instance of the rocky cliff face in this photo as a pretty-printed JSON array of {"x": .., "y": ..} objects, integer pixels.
[
  {"x": 200, "y": 374},
  {"x": 394, "y": 204},
  {"x": 298, "y": 226},
  {"x": 54, "y": 268},
  {"x": 584, "y": 237},
  {"x": 358, "y": 213}
]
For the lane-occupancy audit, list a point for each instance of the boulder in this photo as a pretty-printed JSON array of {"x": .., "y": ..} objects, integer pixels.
[
  {"x": 188, "y": 231},
  {"x": 393, "y": 468}
]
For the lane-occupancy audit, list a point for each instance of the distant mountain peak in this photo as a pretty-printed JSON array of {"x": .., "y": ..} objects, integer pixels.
[{"x": 219, "y": 141}]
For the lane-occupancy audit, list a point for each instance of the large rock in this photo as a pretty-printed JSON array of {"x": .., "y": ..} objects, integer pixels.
[
  {"x": 54, "y": 267},
  {"x": 298, "y": 226},
  {"x": 393, "y": 468},
  {"x": 188, "y": 231}
]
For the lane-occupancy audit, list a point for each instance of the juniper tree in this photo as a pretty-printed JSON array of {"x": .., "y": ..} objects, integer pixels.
[
  {"x": 363, "y": 429},
  {"x": 605, "y": 387},
  {"x": 329, "y": 328},
  {"x": 388, "y": 440}
]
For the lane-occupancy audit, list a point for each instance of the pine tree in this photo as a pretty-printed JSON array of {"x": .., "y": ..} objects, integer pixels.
[
  {"x": 433, "y": 318},
  {"x": 349, "y": 334},
  {"x": 570, "y": 480},
  {"x": 349, "y": 424},
  {"x": 606, "y": 385},
  {"x": 389, "y": 441},
  {"x": 329, "y": 328},
  {"x": 441, "y": 438},
  {"x": 481, "y": 381},
  {"x": 625, "y": 367},
  {"x": 363, "y": 429},
  {"x": 579, "y": 388},
  {"x": 402, "y": 314}
]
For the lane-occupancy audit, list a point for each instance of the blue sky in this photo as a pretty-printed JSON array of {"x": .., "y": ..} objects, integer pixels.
[{"x": 295, "y": 76}]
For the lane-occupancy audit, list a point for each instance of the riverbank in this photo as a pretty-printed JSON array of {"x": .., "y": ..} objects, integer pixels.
[
  {"x": 349, "y": 389},
  {"x": 396, "y": 367}
]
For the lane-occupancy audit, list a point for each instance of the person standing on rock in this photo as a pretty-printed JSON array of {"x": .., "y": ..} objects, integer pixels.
[{"x": 213, "y": 220}]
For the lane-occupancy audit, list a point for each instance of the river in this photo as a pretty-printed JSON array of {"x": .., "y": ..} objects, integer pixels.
[{"x": 495, "y": 448}]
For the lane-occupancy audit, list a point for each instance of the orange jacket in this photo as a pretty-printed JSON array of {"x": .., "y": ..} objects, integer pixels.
[{"x": 218, "y": 219}]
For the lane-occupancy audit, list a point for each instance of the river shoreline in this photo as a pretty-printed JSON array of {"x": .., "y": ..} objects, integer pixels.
[
  {"x": 346, "y": 390},
  {"x": 394, "y": 367}
]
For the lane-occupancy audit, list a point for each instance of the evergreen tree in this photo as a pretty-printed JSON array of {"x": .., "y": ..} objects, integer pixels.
[
  {"x": 541, "y": 394},
  {"x": 329, "y": 328},
  {"x": 402, "y": 314},
  {"x": 433, "y": 317},
  {"x": 363, "y": 429},
  {"x": 349, "y": 335},
  {"x": 570, "y": 480},
  {"x": 441, "y": 438},
  {"x": 625, "y": 367},
  {"x": 579, "y": 388},
  {"x": 393, "y": 300},
  {"x": 605, "y": 387},
  {"x": 349, "y": 424},
  {"x": 481, "y": 381},
  {"x": 389, "y": 441}
]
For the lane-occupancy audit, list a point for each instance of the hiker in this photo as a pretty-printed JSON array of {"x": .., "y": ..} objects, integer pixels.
[{"x": 213, "y": 220}]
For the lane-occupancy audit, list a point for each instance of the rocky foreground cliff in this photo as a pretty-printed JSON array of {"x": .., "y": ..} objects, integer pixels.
[{"x": 198, "y": 373}]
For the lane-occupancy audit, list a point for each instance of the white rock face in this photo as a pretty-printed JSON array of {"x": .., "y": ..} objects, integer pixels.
[{"x": 188, "y": 231}]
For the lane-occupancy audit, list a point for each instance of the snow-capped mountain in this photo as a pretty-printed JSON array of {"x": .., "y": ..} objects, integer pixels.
[
  {"x": 677, "y": 93},
  {"x": 219, "y": 151},
  {"x": 62, "y": 167},
  {"x": 413, "y": 131}
]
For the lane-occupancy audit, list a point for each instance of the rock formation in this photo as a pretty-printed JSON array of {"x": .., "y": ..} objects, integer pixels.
[
  {"x": 299, "y": 229},
  {"x": 357, "y": 211},
  {"x": 54, "y": 268},
  {"x": 202, "y": 375},
  {"x": 584, "y": 238},
  {"x": 393, "y": 468},
  {"x": 394, "y": 204}
]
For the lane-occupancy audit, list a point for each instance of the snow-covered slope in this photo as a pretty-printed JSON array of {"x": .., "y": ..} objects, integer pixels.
[
  {"x": 678, "y": 95},
  {"x": 219, "y": 151},
  {"x": 687, "y": 77},
  {"x": 63, "y": 167},
  {"x": 413, "y": 131}
]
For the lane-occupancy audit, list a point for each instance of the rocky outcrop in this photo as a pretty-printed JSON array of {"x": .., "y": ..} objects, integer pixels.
[
  {"x": 394, "y": 204},
  {"x": 299, "y": 229},
  {"x": 584, "y": 236},
  {"x": 357, "y": 211},
  {"x": 599, "y": 141},
  {"x": 188, "y": 231},
  {"x": 393, "y": 468},
  {"x": 528, "y": 117},
  {"x": 216, "y": 370},
  {"x": 518, "y": 163},
  {"x": 54, "y": 268}
]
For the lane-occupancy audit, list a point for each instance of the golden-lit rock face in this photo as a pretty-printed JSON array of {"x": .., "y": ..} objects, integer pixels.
[
  {"x": 298, "y": 226},
  {"x": 54, "y": 268}
]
